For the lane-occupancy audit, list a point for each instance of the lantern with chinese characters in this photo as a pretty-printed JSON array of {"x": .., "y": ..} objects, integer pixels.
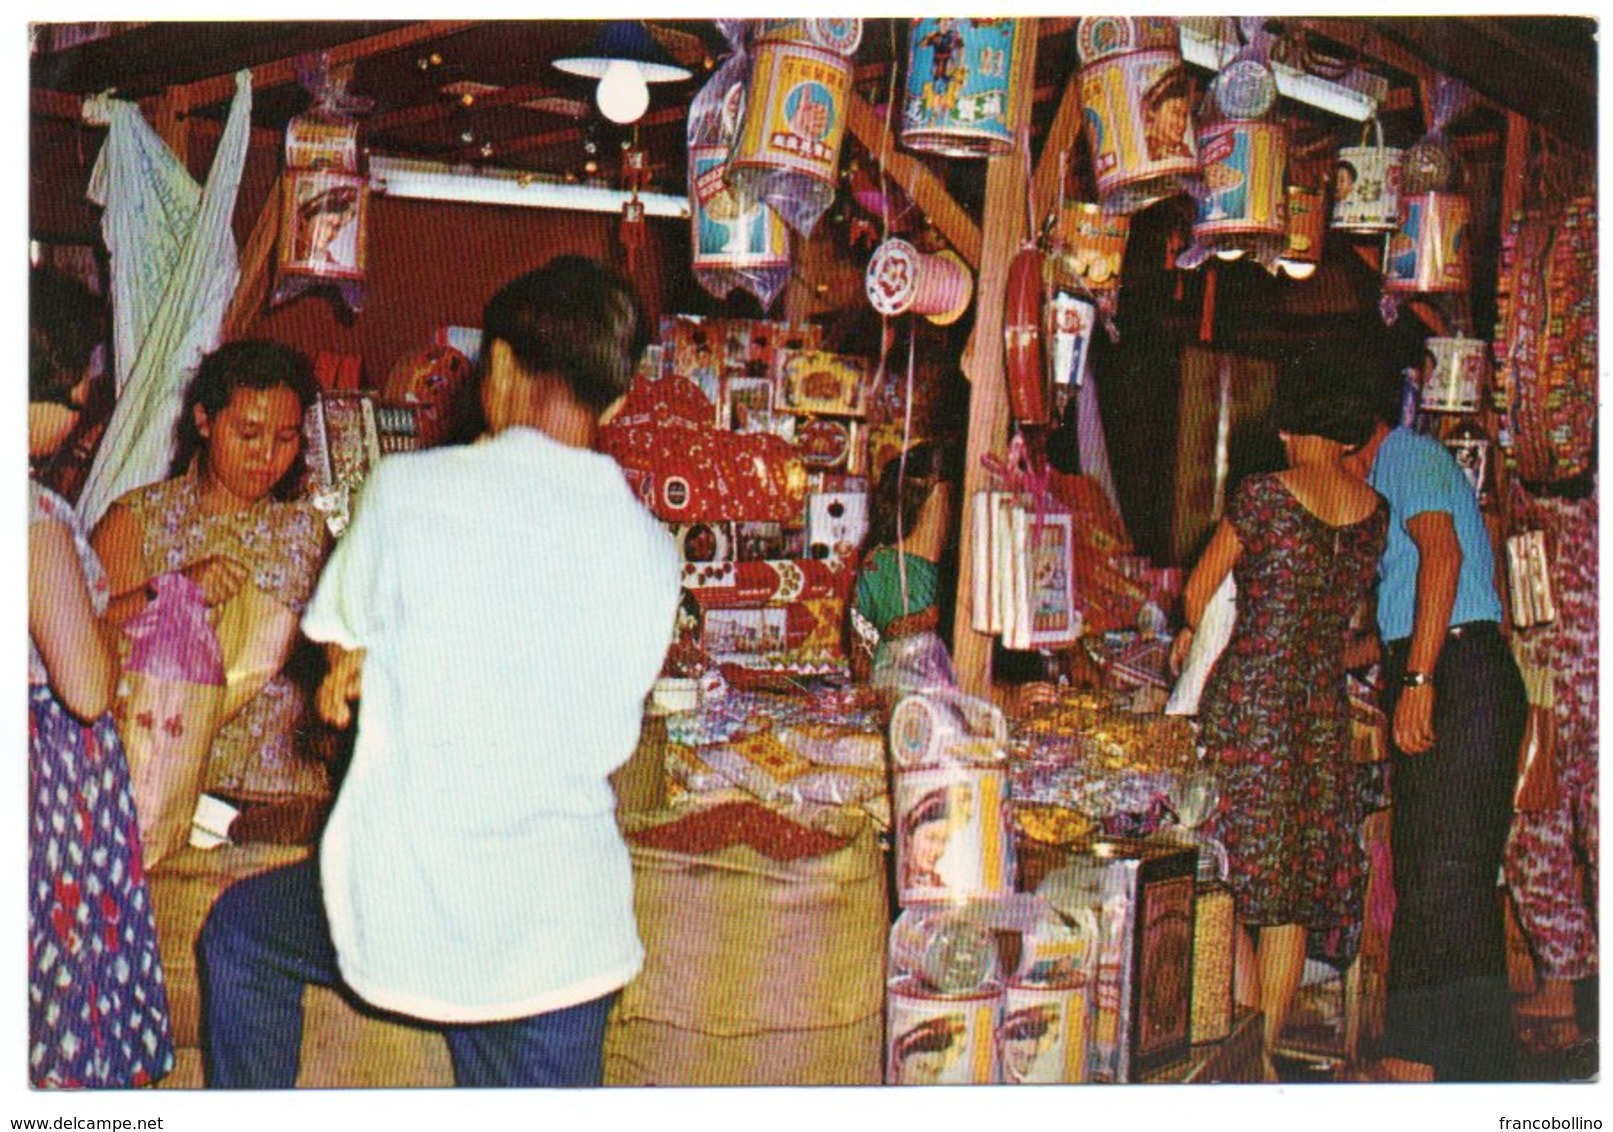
[
  {"x": 788, "y": 152},
  {"x": 960, "y": 76}
]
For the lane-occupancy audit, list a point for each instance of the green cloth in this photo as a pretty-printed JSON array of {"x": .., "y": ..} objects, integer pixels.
[{"x": 879, "y": 587}]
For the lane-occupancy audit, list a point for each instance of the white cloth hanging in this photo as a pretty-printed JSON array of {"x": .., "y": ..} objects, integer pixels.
[
  {"x": 174, "y": 267},
  {"x": 1093, "y": 447}
]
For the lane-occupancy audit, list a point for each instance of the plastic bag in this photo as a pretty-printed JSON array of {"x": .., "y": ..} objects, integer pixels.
[
  {"x": 732, "y": 247},
  {"x": 175, "y": 680},
  {"x": 912, "y": 663}
]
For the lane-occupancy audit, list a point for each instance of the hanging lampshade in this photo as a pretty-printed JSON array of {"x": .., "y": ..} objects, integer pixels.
[{"x": 624, "y": 57}]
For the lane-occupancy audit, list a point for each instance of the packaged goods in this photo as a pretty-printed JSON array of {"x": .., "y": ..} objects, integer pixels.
[
  {"x": 1143, "y": 894},
  {"x": 1043, "y": 1036},
  {"x": 935, "y": 1039},
  {"x": 954, "y": 837}
]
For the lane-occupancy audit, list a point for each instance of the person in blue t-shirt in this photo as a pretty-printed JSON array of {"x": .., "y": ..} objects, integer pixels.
[{"x": 1457, "y": 705}]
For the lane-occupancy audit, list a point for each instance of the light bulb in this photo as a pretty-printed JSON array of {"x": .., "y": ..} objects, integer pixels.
[
  {"x": 1231, "y": 253},
  {"x": 1297, "y": 268},
  {"x": 623, "y": 95}
]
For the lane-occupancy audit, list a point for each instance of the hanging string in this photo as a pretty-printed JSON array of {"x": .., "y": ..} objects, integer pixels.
[
  {"x": 1030, "y": 183},
  {"x": 901, "y": 468}
]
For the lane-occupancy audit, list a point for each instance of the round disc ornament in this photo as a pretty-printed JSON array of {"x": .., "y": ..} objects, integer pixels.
[{"x": 1245, "y": 89}]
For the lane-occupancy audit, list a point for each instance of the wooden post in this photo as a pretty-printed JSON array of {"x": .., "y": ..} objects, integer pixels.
[
  {"x": 170, "y": 117},
  {"x": 1003, "y": 231}
]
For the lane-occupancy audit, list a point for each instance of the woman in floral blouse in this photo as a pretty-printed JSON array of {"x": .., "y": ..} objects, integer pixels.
[{"x": 226, "y": 518}]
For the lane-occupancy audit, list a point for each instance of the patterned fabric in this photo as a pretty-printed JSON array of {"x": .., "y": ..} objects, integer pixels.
[
  {"x": 256, "y": 754},
  {"x": 1543, "y": 847},
  {"x": 1276, "y": 716},
  {"x": 45, "y": 505},
  {"x": 97, "y": 1006}
]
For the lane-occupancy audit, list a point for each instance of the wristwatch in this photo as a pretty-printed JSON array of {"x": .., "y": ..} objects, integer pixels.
[{"x": 1414, "y": 679}]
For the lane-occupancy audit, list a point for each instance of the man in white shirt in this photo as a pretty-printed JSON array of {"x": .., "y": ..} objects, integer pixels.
[{"x": 507, "y": 605}]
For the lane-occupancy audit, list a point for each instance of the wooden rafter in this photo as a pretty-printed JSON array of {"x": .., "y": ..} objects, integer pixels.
[
  {"x": 205, "y": 92},
  {"x": 923, "y": 187}
]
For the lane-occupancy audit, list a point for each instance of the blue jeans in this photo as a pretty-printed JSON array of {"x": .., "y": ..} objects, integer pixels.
[
  {"x": 1449, "y": 1005},
  {"x": 267, "y": 939}
]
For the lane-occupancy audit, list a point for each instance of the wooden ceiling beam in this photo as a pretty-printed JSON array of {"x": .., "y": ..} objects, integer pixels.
[
  {"x": 915, "y": 179},
  {"x": 436, "y": 111},
  {"x": 527, "y": 143},
  {"x": 205, "y": 92}
]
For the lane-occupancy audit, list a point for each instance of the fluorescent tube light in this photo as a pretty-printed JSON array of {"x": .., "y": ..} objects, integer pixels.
[
  {"x": 429, "y": 180},
  {"x": 1357, "y": 97}
]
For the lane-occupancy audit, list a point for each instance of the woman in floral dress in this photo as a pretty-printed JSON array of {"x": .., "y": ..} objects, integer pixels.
[
  {"x": 97, "y": 1005},
  {"x": 226, "y": 519},
  {"x": 1303, "y": 545}
]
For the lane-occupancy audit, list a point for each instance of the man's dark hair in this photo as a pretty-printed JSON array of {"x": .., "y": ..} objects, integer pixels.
[
  {"x": 574, "y": 318},
  {"x": 66, "y": 321},
  {"x": 247, "y": 364}
]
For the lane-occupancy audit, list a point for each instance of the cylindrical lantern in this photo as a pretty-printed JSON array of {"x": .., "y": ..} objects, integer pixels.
[
  {"x": 1307, "y": 224},
  {"x": 838, "y": 35},
  {"x": 960, "y": 76},
  {"x": 1366, "y": 186},
  {"x": 725, "y": 236},
  {"x": 1070, "y": 321},
  {"x": 1428, "y": 254},
  {"x": 1453, "y": 375},
  {"x": 788, "y": 152},
  {"x": 1138, "y": 108},
  {"x": 954, "y": 836},
  {"x": 901, "y": 278},
  {"x": 935, "y": 1039},
  {"x": 1022, "y": 339},
  {"x": 1245, "y": 169},
  {"x": 1091, "y": 246}
]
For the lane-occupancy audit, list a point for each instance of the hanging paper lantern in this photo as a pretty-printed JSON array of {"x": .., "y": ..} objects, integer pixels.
[
  {"x": 1428, "y": 253},
  {"x": 902, "y": 279},
  {"x": 1307, "y": 224},
  {"x": 960, "y": 76},
  {"x": 1090, "y": 246},
  {"x": 1453, "y": 375},
  {"x": 788, "y": 152},
  {"x": 1070, "y": 322},
  {"x": 1138, "y": 109},
  {"x": 1366, "y": 186},
  {"x": 726, "y": 237},
  {"x": 1244, "y": 208}
]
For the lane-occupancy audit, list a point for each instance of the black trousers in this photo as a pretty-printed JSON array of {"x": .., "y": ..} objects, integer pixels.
[{"x": 1449, "y": 1004}]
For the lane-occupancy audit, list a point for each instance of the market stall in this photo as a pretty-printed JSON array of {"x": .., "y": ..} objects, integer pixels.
[{"x": 959, "y": 843}]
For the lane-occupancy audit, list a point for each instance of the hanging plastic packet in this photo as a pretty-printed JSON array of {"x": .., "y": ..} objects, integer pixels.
[
  {"x": 787, "y": 154},
  {"x": 324, "y": 205},
  {"x": 747, "y": 248},
  {"x": 1428, "y": 251},
  {"x": 1242, "y": 204}
]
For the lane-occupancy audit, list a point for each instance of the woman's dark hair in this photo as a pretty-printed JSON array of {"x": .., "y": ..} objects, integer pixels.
[
  {"x": 1319, "y": 395},
  {"x": 573, "y": 317},
  {"x": 901, "y": 492},
  {"x": 66, "y": 321},
  {"x": 248, "y": 364}
]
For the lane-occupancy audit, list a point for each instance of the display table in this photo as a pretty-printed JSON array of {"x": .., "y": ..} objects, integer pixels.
[{"x": 1235, "y": 1060}]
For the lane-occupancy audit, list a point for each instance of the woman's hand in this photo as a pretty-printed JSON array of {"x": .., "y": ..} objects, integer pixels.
[
  {"x": 1179, "y": 650},
  {"x": 1361, "y": 650},
  {"x": 342, "y": 685},
  {"x": 219, "y": 576}
]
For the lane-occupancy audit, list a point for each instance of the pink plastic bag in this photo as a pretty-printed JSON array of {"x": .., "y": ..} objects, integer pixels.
[{"x": 175, "y": 680}]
